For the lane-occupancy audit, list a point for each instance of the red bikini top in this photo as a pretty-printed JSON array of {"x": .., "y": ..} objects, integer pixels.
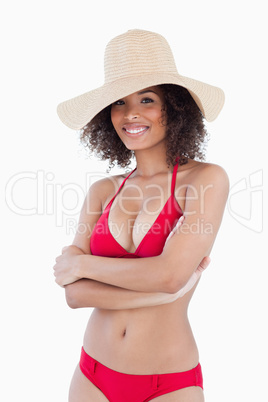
[{"x": 103, "y": 244}]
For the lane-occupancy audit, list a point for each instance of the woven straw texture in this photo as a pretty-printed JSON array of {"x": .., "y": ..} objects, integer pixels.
[{"x": 133, "y": 61}]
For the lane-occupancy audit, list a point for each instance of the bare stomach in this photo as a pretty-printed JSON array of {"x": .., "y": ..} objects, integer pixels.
[{"x": 151, "y": 340}]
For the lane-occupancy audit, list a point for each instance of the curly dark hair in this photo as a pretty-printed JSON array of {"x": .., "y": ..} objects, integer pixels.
[{"x": 185, "y": 129}]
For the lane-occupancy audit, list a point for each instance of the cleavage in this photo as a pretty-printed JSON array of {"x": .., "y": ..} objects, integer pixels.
[{"x": 131, "y": 217}]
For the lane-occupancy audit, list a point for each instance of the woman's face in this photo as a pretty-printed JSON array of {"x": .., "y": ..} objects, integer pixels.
[{"x": 139, "y": 118}]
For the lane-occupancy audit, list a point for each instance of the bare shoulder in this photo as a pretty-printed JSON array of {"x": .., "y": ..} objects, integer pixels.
[
  {"x": 197, "y": 179},
  {"x": 205, "y": 173},
  {"x": 98, "y": 195},
  {"x": 104, "y": 189}
]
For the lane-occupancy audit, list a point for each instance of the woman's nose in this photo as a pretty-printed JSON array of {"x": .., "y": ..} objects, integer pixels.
[{"x": 132, "y": 113}]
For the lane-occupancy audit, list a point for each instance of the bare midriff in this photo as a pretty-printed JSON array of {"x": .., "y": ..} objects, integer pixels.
[{"x": 150, "y": 340}]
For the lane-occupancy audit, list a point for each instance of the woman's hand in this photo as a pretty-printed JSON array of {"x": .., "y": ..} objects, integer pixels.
[
  {"x": 197, "y": 274},
  {"x": 175, "y": 229},
  {"x": 194, "y": 278},
  {"x": 66, "y": 267}
]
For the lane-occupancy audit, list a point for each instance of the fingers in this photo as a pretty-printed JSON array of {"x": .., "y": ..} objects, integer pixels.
[
  {"x": 176, "y": 227},
  {"x": 179, "y": 223},
  {"x": 204, "y": 264},
  {"x": 57, "y": 274}
]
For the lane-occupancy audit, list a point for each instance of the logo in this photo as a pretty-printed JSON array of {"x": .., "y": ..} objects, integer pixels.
[{"x": 245, "y": 202}]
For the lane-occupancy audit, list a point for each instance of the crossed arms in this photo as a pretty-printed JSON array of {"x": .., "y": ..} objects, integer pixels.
[{"x": 112, "y": 283}]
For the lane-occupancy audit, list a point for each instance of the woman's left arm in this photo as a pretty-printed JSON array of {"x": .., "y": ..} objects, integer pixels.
[{"x": 169, "y": 272}]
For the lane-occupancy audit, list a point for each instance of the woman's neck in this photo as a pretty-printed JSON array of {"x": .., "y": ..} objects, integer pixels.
[{"x": 151, "y": 162}]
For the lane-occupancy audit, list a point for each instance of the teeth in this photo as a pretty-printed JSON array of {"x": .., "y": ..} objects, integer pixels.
[{"x": 136, "y": 130}]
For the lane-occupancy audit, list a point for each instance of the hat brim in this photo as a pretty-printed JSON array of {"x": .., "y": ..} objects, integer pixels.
[{"x": 75, "y": 113}]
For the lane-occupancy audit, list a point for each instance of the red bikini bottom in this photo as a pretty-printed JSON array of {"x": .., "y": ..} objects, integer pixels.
[{"x": 120, "y": 387}]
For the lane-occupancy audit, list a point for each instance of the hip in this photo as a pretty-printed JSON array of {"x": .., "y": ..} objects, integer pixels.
[{"x": 117, "y": 386}]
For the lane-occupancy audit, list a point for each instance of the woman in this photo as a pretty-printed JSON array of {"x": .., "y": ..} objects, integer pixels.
[{"x": 145, "y": 234}]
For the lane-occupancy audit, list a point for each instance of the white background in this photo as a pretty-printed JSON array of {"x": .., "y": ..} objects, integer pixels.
[{"x": 52, "y": 51}]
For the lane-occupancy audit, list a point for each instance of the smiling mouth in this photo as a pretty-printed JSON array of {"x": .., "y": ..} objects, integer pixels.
[{"x": 135, "y": 131}]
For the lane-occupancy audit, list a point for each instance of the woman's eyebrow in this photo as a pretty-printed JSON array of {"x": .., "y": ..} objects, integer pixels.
[{"x": 146, "y": 91}]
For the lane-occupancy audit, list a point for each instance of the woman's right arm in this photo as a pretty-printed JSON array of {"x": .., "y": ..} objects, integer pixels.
[{"x": 90, "y": 293}]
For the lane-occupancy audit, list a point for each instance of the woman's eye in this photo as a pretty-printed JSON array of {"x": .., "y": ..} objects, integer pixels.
[
  {"x": 147, "y": 100},
  {"x": 119, "y": 103}
]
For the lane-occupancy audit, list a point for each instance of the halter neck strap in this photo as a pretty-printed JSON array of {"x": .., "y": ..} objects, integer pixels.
[
  {"x": 123, "y": 182},
  {"x": 174, "y": 175}
]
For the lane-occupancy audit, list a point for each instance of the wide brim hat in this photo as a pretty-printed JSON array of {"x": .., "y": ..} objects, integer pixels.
[{"x": 133, "y": 61}]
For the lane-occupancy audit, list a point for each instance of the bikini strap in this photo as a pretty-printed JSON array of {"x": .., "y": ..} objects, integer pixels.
[
  {"x": 123, "y": 182},
  {"x": 174, "y": 176}
]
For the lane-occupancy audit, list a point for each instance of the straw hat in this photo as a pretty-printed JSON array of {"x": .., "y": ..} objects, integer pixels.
[{"x": 133, "y": 61}]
